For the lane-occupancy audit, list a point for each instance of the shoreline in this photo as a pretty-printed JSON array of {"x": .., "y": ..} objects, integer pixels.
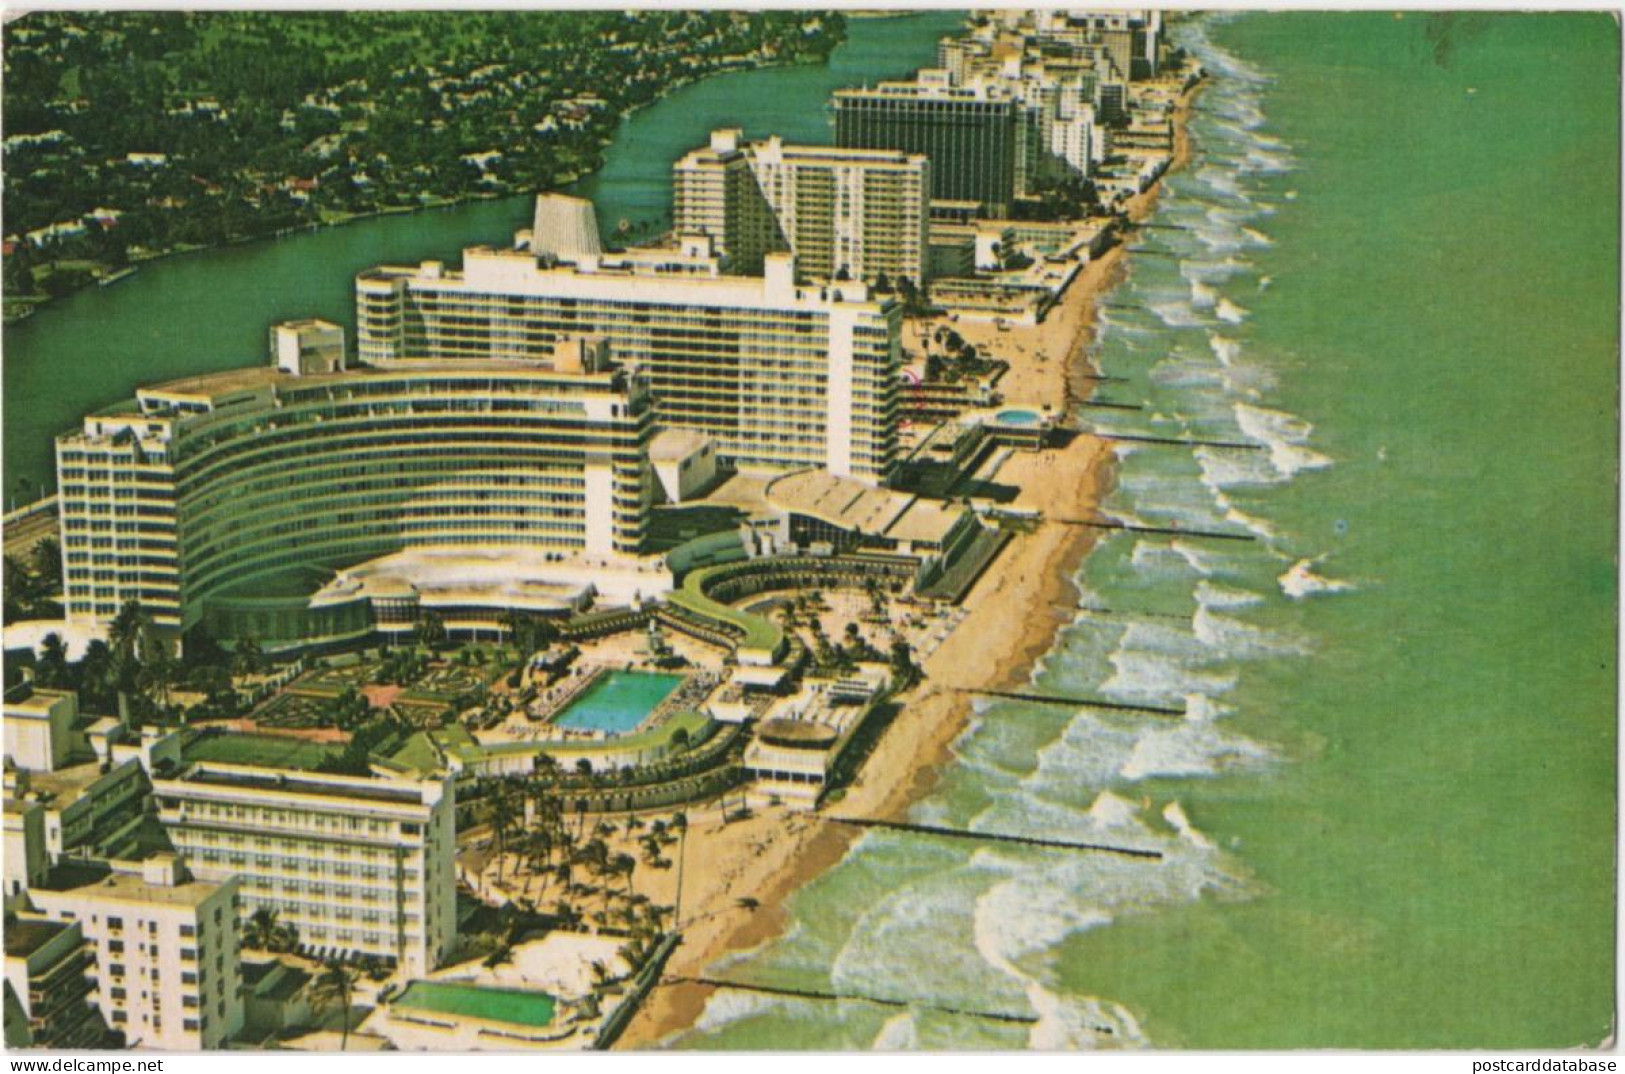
[
  {"x": 787, "y": 851},
  {"x": 39, "y": 302}
]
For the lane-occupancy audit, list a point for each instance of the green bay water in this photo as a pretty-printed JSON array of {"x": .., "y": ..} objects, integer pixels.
[
  {"x": 210, "y": 311},
  {"x": 1388, "y": 816}
]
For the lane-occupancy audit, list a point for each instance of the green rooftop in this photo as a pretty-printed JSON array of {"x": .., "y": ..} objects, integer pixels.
[
  {"x": 759, "y": 633},
  {"x": 271, "y": 751}
]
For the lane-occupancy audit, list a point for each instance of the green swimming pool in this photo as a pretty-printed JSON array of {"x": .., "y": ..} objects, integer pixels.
[
  {"x": 474, "y": 1001},
  {"x": 618, "y": 702}
]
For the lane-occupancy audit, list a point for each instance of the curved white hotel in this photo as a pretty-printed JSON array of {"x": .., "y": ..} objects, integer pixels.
[{"x": 210, "y": 487}]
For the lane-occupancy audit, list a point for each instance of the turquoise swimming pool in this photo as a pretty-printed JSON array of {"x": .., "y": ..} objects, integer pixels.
[
  {"x": 618, "y": 702},
  {"x": 1016, "y": 417}
]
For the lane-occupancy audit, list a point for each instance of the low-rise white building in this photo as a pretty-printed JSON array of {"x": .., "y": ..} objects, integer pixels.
[
  {"x": 684, "y": 462},
  {"x": 39, "y": 727}
]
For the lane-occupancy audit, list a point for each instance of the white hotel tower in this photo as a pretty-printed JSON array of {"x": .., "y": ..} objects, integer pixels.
[{"x": 782, "y": 375}]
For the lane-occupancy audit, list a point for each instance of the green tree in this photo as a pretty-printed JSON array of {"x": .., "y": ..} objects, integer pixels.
[
  {"x": 51, "y": 671},
  {"x": 430, "y": 631},
  {"x": 505, "y": 816},
  {"x": 47, "y": 563},
  {"x": 246, "y": 658},
  {"x": 335, "y": 987}
]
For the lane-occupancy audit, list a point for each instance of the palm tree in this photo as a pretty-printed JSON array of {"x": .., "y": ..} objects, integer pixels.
[
  {"x": 626, "y": 865},
  {"x": 504, "y": 814},
  {"x": 129, "y": 626},
  {"x": 566, "y": 914},
  {"x": 502, "y": 952},
  {"x": 335, "y": 986},
  {"x": 52, "y": 670},
  {"x": 679, "y": 821},
  {"x": 245, "y": 656},
  {"x": 261, "y": 928}
]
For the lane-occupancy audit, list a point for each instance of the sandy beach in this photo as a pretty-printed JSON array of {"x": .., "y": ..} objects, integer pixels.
[{"x": 767, "y": 857}]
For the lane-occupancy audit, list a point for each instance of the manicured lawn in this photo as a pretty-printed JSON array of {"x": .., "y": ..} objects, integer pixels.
[{"x": 272, "y": 750}]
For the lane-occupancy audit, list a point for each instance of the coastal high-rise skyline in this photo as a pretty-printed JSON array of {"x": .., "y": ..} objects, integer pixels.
[{"x": 835, "y": 616}]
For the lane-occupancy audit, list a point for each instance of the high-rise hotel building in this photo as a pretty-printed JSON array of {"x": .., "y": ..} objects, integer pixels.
[
  {"x": 358, "y": 866},
  {"x": 970, "y": 133},
  {"x": 166, "y": 947},
  {"x": 844, "y": 213},
  {"x": 207, "y": 487},
  {"x": 781, "y": 375}
]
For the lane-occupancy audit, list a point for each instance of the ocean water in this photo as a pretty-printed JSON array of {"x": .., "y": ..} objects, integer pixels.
[{"x": 1387, "y": 815}]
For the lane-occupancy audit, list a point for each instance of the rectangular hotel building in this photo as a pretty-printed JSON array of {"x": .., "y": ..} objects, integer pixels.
[
  {"x": 358, "y": 866},
  {"x": 782, "y": 375},
  {"x": 971, "y": 134},
  {"x": 844, "y": 213}
]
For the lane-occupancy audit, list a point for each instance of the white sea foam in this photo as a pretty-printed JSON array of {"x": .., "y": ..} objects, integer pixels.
[
  {"x": 1123, "y": 449},
  {"x": 1111, "y": 811},
  {"x": 1235, "y": 638},
  {"x": 1258, "y": 527},
  {"x": 1175, "y": 314},
  {"x": 1157, "y": 678},
  {"x": 1258, "y": 237},
  {"x": 729, "y": 1005},
  {"x": 1284, "y": 434},
  {"x": 899, "y": 1034},
  {"x": 1301, "y": 581},
  {"x": 1211, "y": 594},
  {"x": 1174, "y": 814},
  {"x": 1203, "y": 561},
  {"x": 1225, "y": 350},
  {"x": 1191, "y": 749},
  {"x": 1223, "y": 468},
  {"x": 1212, "y": 271},
  {"x": 1229, "y": 312},
  {"x": 1199, "y": 708},
  {"x": 1071, "y": 1025}
]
